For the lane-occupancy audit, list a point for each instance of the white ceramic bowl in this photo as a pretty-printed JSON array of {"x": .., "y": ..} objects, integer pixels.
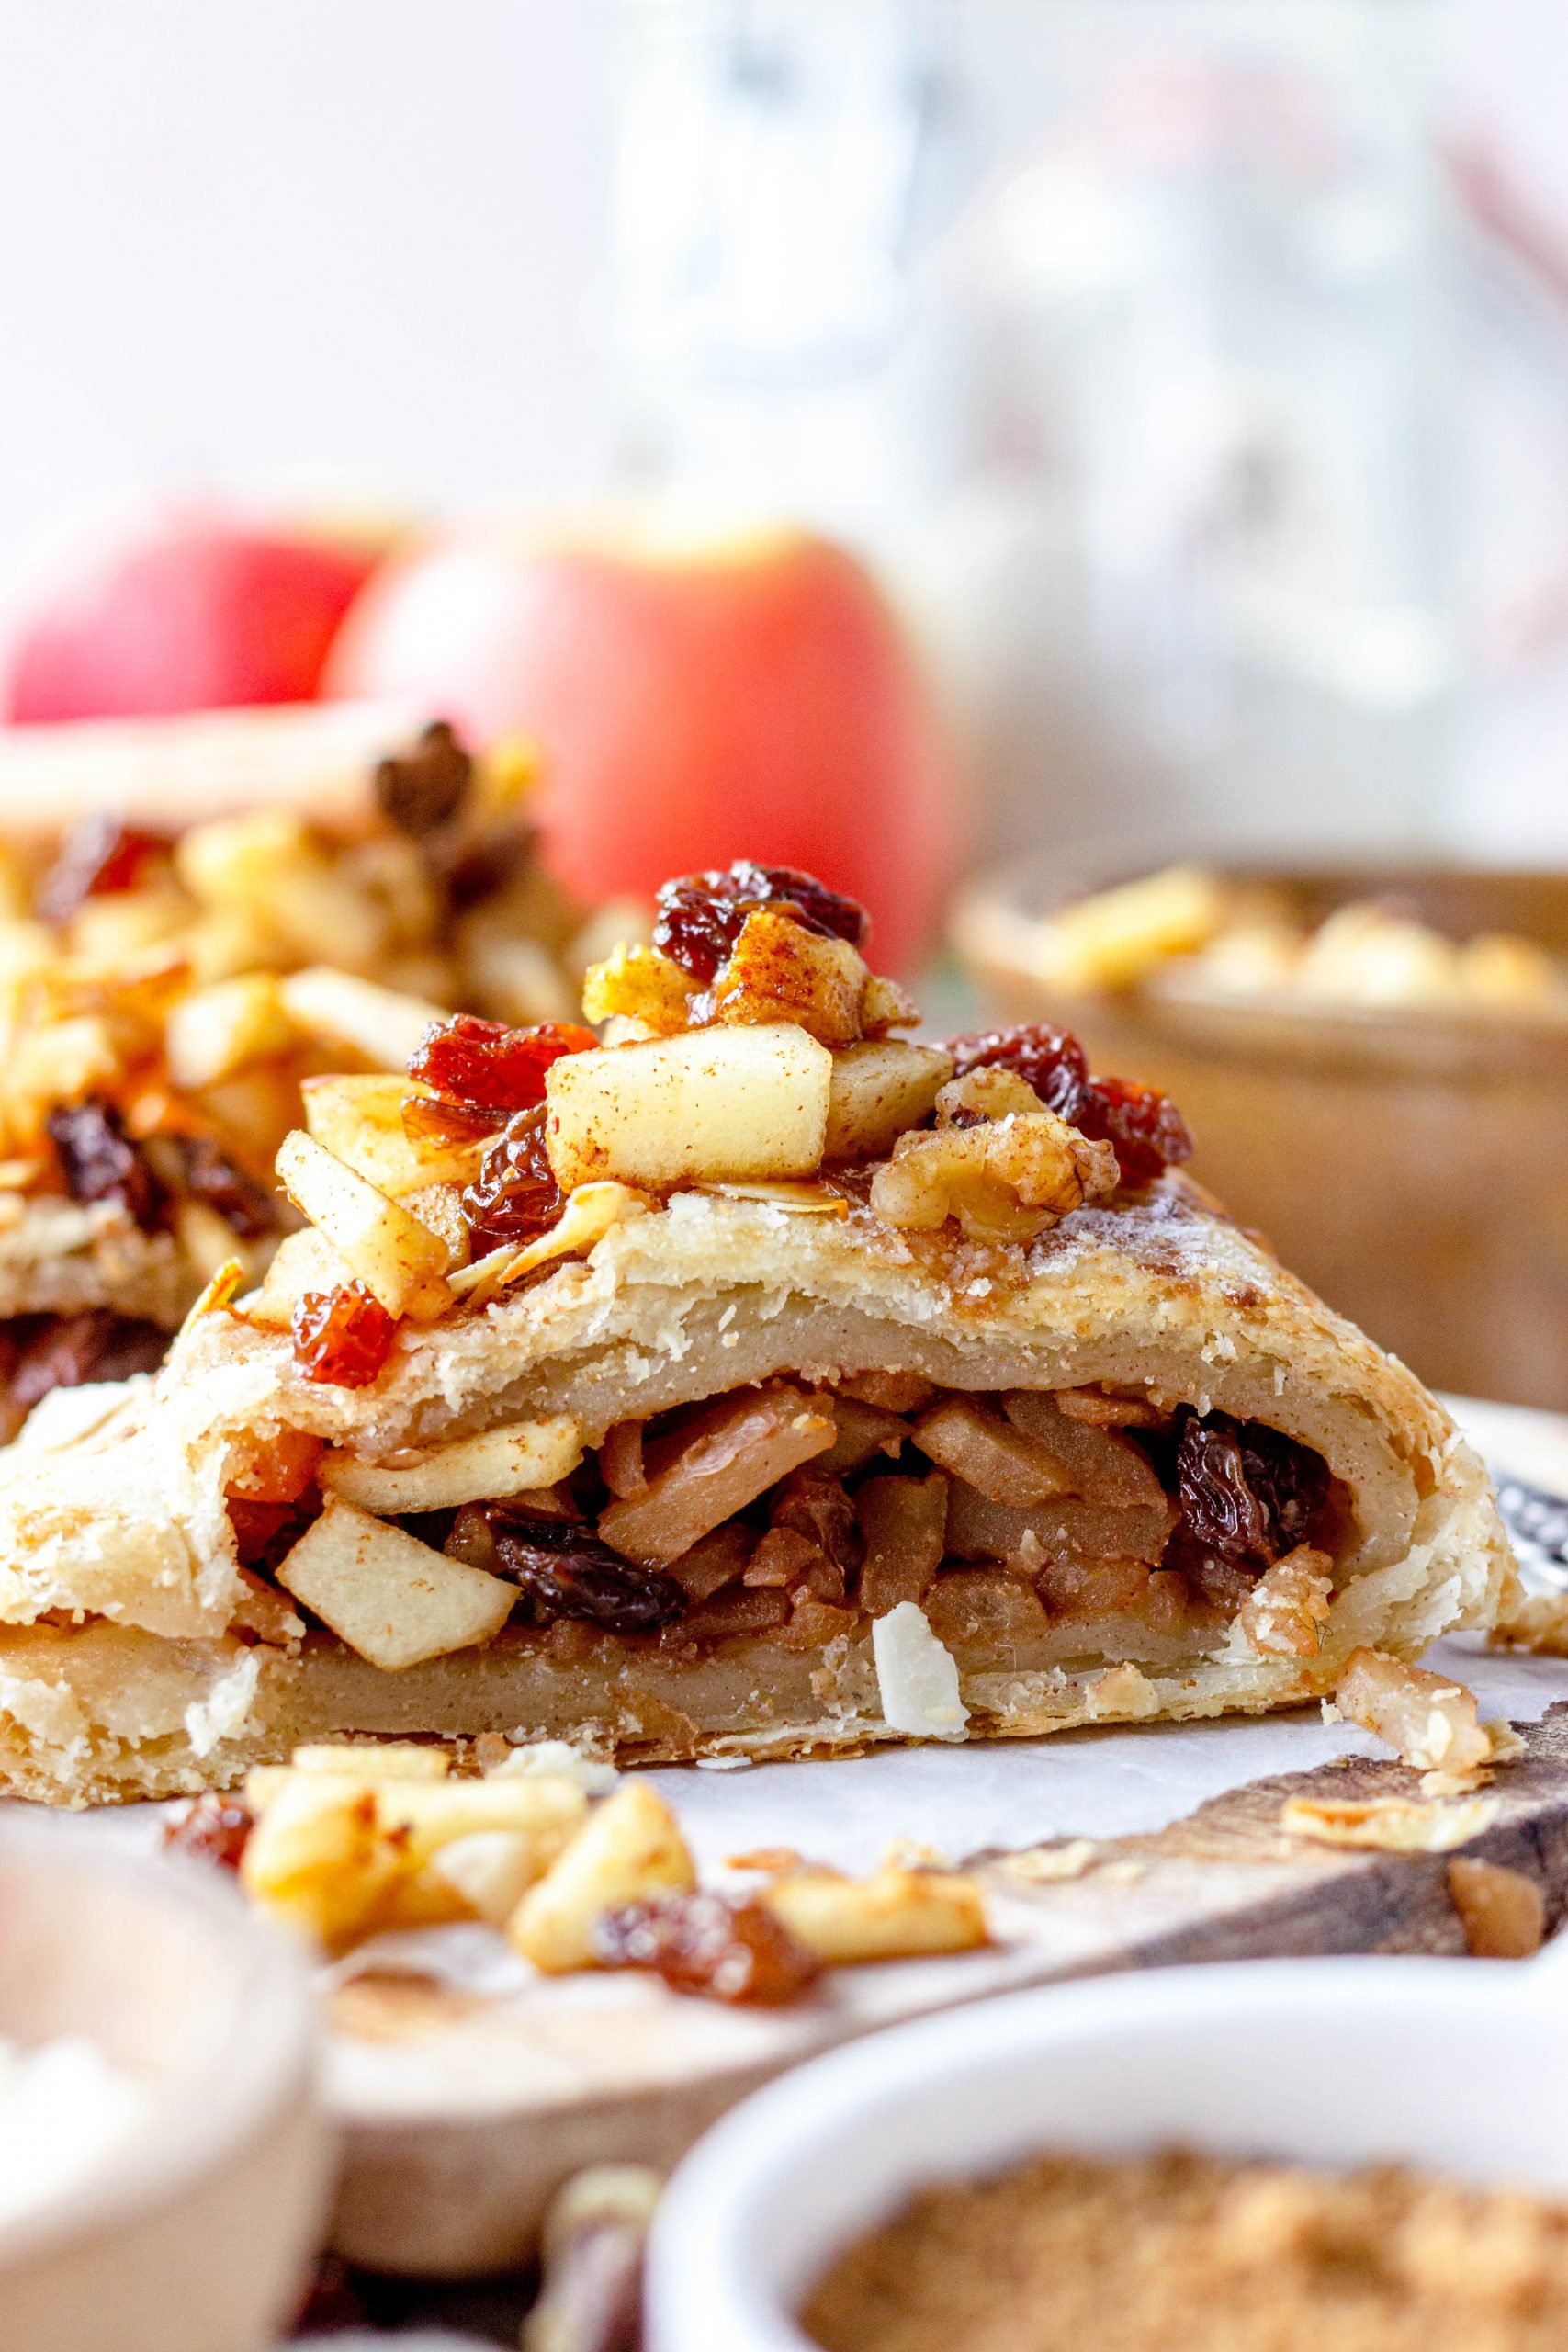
[
  {"x": 193, "y": 2236},
  {"x": 1452, "y": 2064}
]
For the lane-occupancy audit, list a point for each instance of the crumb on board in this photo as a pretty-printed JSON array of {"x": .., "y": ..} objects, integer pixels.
[{"x": 1388, "y": 1825}]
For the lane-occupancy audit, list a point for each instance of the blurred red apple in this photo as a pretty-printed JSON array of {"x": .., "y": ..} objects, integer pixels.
[
  {"x": 741, "y": 697},
  {"x": 193, "y": 613}
]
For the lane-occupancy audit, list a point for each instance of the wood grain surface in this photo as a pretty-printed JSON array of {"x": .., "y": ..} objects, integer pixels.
[{"x": 463, "y": 2115}]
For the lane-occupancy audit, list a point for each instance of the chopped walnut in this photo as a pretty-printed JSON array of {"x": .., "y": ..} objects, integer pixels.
[
  {"x": 1502, "y": 1911},
  {"x": 640, "y": 984},
  {"x": 1006, "y": 1180},
  {"x": 988, "y": 1092},
  {"x": 1288, "y": 1604},
  {"x": 1434, "y": 1723}
]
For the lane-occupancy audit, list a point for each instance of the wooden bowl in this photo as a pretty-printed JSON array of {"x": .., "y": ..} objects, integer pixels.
[
  {"x": 1408, "y": 1164},
  {"x": 194, "y": 2235}
]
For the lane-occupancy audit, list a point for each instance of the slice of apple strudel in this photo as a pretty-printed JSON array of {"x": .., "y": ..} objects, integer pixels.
[{"x": 743, "y": 1380}]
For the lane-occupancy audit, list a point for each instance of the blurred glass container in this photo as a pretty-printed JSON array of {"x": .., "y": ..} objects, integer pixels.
[
  {"x": 1118, "y": 329},
  {"x": 1406, "y": 1162}
]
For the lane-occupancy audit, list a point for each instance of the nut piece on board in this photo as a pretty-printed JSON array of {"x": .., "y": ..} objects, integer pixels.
[{"x": 1502, "y": 1911}]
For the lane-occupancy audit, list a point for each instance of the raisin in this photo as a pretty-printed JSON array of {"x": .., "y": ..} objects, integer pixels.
[
  {"x": 212, "y": 1828},
  {"x": 333, "y": 2304},
  {"x": 1247, "y": 1493},
  {"x": 471, "y": 867},
  {"x": 701, "y": 1943},
  {"x": 1148, "y": 1130},
  {"x": 426, "y": 788},
  {"x": 1051, "y": 1060},
  {"x": 486, "y": 1066},
  {"x": 101, "y": 853},
  {"x": 427, "y": 1119},
  {"x": 564, "y": 1571},
  {"x": 342, "y": 1336},
  {"x": 515, "y": 1195},
  {"x": 49, "y": 1351},
  {"x": 211, "y": 1176},
  {"x": 701, "y": 915},
  {"x": 263, "y": 1532},
  {"x": 100, "y": 1163}
]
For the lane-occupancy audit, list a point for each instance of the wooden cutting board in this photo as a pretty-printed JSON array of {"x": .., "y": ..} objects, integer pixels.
[{"x": 463, "y": 2114}]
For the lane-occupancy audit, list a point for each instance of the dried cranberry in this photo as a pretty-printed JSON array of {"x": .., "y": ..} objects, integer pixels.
[
  {"x": 701, "y": 915},
  {"x": 489, "y": 1066},
  {"x": 564, "y": 1571},
  {"x": 342, "y": 1336},
  {"x": 212, "y": 1829},
  {"x": 700, "y": 1943},
  {"x": 211, "y": 1176},
  {"x": 101, "y": 853},
  {"x": 1051, "y": 1060},
  {"x": 1247, "y": 1493},
  {"x": 100, "y": 1163},
  {"x": 515, "y": 1195},
  {"x": 1148, "y": 1130},
  {"x": 423, "y": 789}
]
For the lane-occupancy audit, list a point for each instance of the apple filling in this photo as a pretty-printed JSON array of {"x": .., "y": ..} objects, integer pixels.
[{"x": 1031, "y": 1527}]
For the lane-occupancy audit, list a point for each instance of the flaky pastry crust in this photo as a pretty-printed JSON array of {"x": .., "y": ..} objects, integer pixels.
[{"x": 121, "y": 1672}]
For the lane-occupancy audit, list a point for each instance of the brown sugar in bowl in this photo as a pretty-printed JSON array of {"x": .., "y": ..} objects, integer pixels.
[{"x": 1411, "y": 1163}]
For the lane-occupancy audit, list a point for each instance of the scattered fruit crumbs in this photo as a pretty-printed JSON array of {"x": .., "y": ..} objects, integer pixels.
[{"x": 576, "y": 1866}]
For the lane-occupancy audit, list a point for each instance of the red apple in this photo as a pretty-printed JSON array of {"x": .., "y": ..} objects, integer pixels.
[
  {"x": 728, "y": 698},
  {"x": 193, "y": 613}
]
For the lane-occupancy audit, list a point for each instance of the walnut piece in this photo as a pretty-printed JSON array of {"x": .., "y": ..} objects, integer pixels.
[
  {"x": 1006, "y": 1180},
  {"x": 1433, "y": 1722}
]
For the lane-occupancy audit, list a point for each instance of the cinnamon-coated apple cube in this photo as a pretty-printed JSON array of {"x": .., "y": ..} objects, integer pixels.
[
  {"x": 630, "y": 1850},
  {"x": 269, "y": 864},
  {"x": 316, "y": 1859},
  {"x": 712, "y": 1106},
  {"x": 878, "y": 1091},
  {"x": 777, "y": 971},
  {"x": 380, "y": 1759},
  {"x": 216, "y": 1031},
  {"x": 637, "y": 983},
  {"x": 360, "y": 1120},
  {"x": 302, "y": 1261},
  {"x": 894, "y": 1915},
  {"x": 389, "y": 1596},
  {"x": 400, "y": 1260},
  {"x": 383, "y": 1026}
]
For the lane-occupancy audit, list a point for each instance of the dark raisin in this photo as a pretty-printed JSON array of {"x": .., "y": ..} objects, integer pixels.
[
  {"x": 101, "y": 853},
  {"x": 487, "y": 1067},
  {"x": 212, "y": 1828},
  {"x": 473, "y": 866},
  {"x": 1247, "y": 1493},
  {"x": 514, "y": 1196},
  {"x": 425, "y": 788},
  {"x": 333, "y": 2304},
  {"x": 701, "y": 915},
  {"x": 1051, "y": 1060},
  {"x": 100, "y": 1163},
  {"x": 700, "y": 1943},
  {"x": 343, "y": 1336},
  {"x": 49, "y": 1351},
  {"x": 564, "y": 1571},
  {"x": 265, "y": 1533},
  {"x": 1148, "y": 1130},
  {"x": 211, "y": 1176}
]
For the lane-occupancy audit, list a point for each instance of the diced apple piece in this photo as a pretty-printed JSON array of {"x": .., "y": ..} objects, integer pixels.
[
  {"x": 779, "y": 971},
  {"x": 382, "y": 1025},
  {"x": 639, "y": 984},
  {"x": 400, "y": 1260},
  {"x": 878, "y": 1092},
  {"x": 630, "y": 1851},
  {"x": 465, "y": 1469},
  {"x": 891, "y": 1915},
  {"x": 216, "y": 1031},
  {"x": 390, "y": 1597},
  {"x": 317, "y": 1860},
  {"x": 713, "y": 1106},
  {"x": 382, "y": 1759},
  {"x": 302, "y": 1261},
  {"x": 268, "y": 865},
  {"x": 903, "y": 1521},
  {"x": 723, "y": 1461},
  {"x": 360, "y": 1122},
  {"x": 998, "y": 1460},
  {"x": 489, "y": 1872},
  {"x": 1104, "y": 1467}
]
